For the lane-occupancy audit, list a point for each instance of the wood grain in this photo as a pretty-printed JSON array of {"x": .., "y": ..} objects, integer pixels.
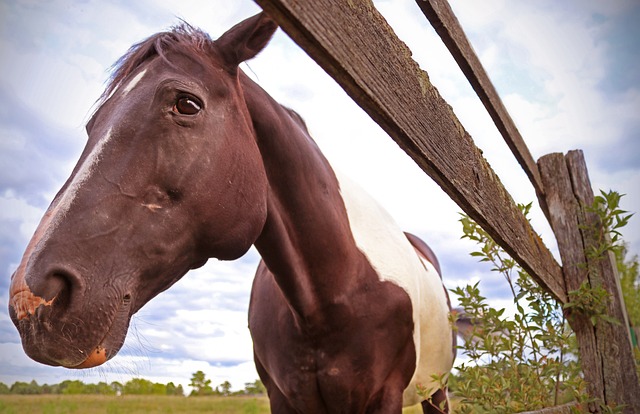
[
  {"x": 564, "y": 220},
  {"x": 606, "y": 352},
  {"x": 356, "y": 46},
  {"x": 446, "y": 24},
  {"x": 613, "y": 340}
]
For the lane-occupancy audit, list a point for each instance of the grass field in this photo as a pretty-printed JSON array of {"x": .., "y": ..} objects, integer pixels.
[{"x": 101, "y": 404}]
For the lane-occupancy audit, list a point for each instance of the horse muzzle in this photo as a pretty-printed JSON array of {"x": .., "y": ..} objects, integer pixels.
[{"x": 55, "y": 333}]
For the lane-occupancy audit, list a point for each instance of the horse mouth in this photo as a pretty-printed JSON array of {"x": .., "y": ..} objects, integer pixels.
[
  {"x": 45, "y": 343},
  {"x": 96, "y": 357},
  {"x": 111, "y": 343}
]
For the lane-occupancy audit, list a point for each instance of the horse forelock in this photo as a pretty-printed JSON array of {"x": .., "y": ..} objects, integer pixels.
[{"x": 182, "y": 38}]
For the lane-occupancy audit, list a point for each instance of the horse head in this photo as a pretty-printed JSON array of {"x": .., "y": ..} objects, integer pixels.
[{"x": 171, "y": 175}]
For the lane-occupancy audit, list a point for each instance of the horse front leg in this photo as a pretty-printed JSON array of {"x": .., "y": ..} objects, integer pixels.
[
  {"x": 437, "y": 404},
  {"x": 279, "y": 403},
  {"x": 389, "y": 402}
]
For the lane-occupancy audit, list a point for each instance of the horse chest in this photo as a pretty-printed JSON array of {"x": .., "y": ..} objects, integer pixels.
[{"x": 369, "y": 348}]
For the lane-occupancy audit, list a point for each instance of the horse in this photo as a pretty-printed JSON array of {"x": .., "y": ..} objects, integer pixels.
[{"x": 188, "y": 159}]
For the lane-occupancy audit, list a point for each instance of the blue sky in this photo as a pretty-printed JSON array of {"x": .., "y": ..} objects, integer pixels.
[{"x": 567, "y": 72}]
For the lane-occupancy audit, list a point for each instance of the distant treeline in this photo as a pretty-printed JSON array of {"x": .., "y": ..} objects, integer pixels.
[{"x": 136, "y": 386}]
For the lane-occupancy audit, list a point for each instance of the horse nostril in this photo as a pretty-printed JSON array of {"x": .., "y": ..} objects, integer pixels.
[
  {"x": 63, "y": 286},
  {"x": 126, "y": 299},
  {"x": 54, "y": 285}
]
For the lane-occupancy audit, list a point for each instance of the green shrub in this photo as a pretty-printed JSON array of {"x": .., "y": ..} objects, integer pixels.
[
  {"x": 526, "y": 361},
  {"x": 529, "y": 360}
]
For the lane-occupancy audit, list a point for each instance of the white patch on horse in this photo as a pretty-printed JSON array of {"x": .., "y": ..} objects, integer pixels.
[
  {"x": 133, "y": 82},
  {"x": 395, "y": 260}
]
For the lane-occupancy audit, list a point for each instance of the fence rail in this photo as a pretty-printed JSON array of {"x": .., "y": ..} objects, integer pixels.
[
  {"x": 400, "y": 98},
  {"x": 444, "y": 21},
  {"x": 355, "y": 45}
]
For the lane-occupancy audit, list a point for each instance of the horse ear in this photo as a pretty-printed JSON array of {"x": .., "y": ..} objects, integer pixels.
[{"x": 246, "y": 39}]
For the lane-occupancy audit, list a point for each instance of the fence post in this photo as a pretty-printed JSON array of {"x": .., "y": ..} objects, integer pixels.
[{"x": 605, "y": 349}]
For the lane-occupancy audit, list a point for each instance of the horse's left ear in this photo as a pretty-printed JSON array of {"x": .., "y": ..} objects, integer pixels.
[{"x": 246, "y": 39}]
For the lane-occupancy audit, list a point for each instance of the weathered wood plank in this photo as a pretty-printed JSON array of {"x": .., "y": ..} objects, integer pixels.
[
  {"x": 356, "y": 46},
  {"x": 606, "y": 352},
  {"x": 613, "y": 341},
  {"x": 563, "y": 214},
  {"x": 446, "y": 24}
]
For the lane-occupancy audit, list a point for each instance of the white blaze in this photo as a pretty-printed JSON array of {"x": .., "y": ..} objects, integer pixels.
[
  {"x": 22, "y": 299},
  {"x": 133, "y": 82},
  {"x": 65, "y": 201}
]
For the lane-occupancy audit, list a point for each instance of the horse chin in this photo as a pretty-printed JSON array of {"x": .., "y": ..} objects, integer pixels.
[
  {"x": 96, "y": 357},
  {"x": 103, "y": 352},
  {"x": 110, "y": 344}
]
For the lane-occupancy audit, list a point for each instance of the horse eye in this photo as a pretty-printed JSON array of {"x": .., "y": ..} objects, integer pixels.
[{"x": 187, "y": 106}]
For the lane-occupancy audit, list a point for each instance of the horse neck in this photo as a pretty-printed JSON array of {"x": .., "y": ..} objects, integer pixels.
[{"x": 306, "y": 242}]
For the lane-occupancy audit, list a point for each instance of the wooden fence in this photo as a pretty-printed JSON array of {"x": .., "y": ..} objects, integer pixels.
[{"x": 349, "y": 39}]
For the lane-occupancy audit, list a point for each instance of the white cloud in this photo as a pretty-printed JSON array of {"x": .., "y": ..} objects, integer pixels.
[
  {"x": 15, "y": 209},
  {"x": 548, "y": 62}
]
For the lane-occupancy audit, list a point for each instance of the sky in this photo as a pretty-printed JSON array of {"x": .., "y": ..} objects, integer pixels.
[{"x": 566, "y": 71}]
